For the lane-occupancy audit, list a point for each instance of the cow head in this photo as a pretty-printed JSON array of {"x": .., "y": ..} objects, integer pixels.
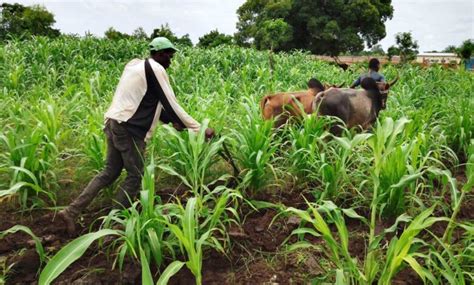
[{"x": 384, "y": 86}]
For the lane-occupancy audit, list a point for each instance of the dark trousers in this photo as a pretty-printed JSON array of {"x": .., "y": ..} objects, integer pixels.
[{"x": 123, "y": 151}]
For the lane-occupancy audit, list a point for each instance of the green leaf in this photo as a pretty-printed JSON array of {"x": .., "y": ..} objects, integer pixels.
[
  {"x": 68, "y": 254},
  {"x": 38, "y": 245},
  {"x": 352, "y": 214},
  {"x": 147, "y": 279},
  {"x": 303, "y": 231},
  {"x": 407, "y": 179},
  {"x": 340, "y": 278},
  {"x": 170, "y": 270},
  {"x": 301, "y": 245}
]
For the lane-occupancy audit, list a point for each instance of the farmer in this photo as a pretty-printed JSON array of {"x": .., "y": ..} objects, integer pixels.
[
  {"x": 374, "y": 66},
  {"x": 143, "y": 96}
]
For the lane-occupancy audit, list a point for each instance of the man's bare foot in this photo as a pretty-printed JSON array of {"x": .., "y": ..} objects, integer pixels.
[{"x": 68, "y": 221}]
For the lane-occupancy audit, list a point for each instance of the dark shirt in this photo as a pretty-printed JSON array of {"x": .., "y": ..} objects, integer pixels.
[{"x": 139, "y": 124}]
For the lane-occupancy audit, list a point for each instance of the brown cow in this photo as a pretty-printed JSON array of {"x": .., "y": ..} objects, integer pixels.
[
  {"x": 290, "y": 104},
  {"x": 354, "y": 107}
]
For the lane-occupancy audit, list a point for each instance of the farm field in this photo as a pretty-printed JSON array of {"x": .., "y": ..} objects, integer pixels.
[{"x": 390, "y": 206}]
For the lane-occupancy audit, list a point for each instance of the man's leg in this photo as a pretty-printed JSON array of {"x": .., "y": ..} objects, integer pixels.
[
  {"x": 107, "y": 176},
  {"x": 133, "y": 163}
]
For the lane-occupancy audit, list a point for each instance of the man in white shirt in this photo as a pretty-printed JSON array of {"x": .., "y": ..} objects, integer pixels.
[{"x": 142, "y": 98}]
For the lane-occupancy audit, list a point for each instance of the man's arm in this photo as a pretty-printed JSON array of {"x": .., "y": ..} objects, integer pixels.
[
  {"x": 356, "y": 83},
  {"x": 174, "y": 112},
  {"x": 165, "y": 118},
  {"x": 382, "y": 78}
]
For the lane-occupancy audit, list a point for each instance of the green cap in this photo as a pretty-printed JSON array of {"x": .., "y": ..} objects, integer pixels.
[{"x": 161, "y": 43}]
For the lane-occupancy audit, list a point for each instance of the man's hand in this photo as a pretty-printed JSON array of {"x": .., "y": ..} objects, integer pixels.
[
  {"x": 210, "y": 133},
  {"x": 177, "y": 127}
]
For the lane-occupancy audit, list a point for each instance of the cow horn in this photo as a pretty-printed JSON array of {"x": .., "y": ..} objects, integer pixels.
[{"x": 390, "y": 84}]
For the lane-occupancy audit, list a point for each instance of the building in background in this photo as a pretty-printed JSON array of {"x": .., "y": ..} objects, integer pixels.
[{"x": 444, "y": 58}]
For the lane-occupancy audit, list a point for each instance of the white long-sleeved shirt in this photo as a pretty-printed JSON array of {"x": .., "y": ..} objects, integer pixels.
[{"x": 131, "y": 90}]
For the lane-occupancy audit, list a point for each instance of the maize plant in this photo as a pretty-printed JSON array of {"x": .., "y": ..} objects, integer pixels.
[
  {"x": 54, "y": 93},
  {"x": 377, "y": 265}
]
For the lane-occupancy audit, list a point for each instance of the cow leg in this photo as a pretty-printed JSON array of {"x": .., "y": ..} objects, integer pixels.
[{"x": 281, "y": 120}]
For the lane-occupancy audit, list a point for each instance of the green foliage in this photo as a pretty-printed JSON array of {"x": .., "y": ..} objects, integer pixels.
[
  {"x": 153, "y": 232},
  {"x": 452, "y": 264},
  {"x": 450, "y": 48},
  {"x": 165, "y": 31},
  {"x": 214, "y": 39},
  {"x": 38, "y": 245},
  {"x": 28, "y": 161},
  {"x": 191, "y": 157},
  {"x": 194, "y": 227},
  {"x": 466, "y": 49},
  {"x": 322, "y": 27},
  {"x": 392, "y": 51},
  {"x": 256, "y": 146},
  {"x": 170, "y": 270},
  {"x": 113, "y": 34},
  {"x": 68, "y": 254},
  {"x": 406, "y": 47},
  {"x": 466, "y": 189},
  {"x": 377, "y": 50},
  {"x": 55, "y": 91},
  {"x": 139, "y": 33},
  {"x": 401, "y": 250},
  {"x": 25, "y": 21},
  {"x": 398, "y": 166},
  {"x": 273, "y": 34}
]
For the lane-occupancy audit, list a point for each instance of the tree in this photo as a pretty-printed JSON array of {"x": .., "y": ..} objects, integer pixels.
[
  {"x": 214, "y": 38},
  {"x": 320, "y": 26},
  {"x": 184, "y": 41},
  {"x": 273, "y": 34},
  {"x": 165, "y": 31},
  {"x": 377, "y": 50},
  {"x": 113, "y": 34},
  {"x": 450, "y": 48},
  {"x": 140, "y": 33},
  {"x": 392, "y": 51},
  {"x": 466, "y": 49},
  {"x": 24, "y": 21},
  {"x": 407, "y": 46}
]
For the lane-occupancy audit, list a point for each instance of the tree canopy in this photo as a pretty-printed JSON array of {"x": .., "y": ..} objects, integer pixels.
[
  {"x": 466, "y": 49},
  {"x": 320, "y": 26},
  {"x": 24, "y": 21},
  {"x": 405, "y": 46},
  {"x": 165, "y": 31},
  {"x": 214, "y": 38},
  {"x": 113, "y": 34}
]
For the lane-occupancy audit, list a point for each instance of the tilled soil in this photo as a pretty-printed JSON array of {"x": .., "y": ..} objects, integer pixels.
[{"x": 257, "y": 255}]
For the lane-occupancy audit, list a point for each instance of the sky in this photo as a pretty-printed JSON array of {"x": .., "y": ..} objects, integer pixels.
[{"x": 434, "y": 24}]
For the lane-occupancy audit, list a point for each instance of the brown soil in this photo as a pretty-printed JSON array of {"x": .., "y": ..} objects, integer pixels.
[{"x": 257, "y": 255}]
